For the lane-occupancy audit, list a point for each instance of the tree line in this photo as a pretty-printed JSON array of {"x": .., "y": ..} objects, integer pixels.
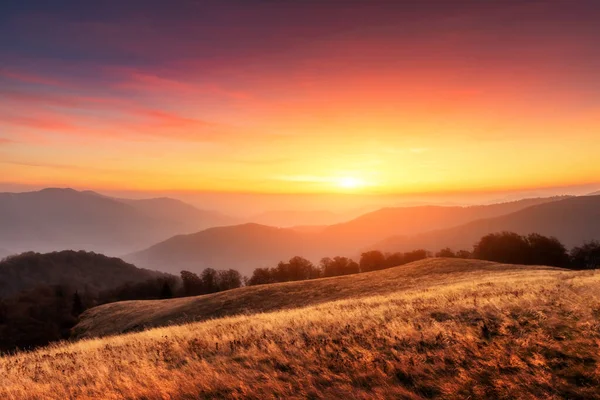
[{"x": 503, "y": 247}]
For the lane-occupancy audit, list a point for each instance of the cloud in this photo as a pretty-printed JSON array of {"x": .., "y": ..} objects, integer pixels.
[
  {"x": 29, "y": 78},
  {"x": 103, "y": 117},
  {"x": 156, "y": 82},
  {"x": 43, "y": 123}
]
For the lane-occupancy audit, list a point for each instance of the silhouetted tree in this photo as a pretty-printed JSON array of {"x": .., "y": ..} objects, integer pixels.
[
  {"x": 338, "y": 266},
  {"x": 586, "y": 256},
  {"x": 415, "y": 255},
  {"x": 372, "y": 261},
  {"x": 394, "y": 259},
  {"x": 296, "y": 269},
  {"x": 545, "y": 250},
  {"x": 261, "y": 276},
  {"x": 446, "y": 252},
  {"x": 509, "y": 247},
  {"x": 77, "y": 308},
  {"x": 192, "y": 284},
  {"x": 166, "y": 292},
  {"x": 463, "y": 254},
  {"x": 504, "y": 247},
  {"x": 209, "y": 281},
  {"x": 229, "y": 279}
]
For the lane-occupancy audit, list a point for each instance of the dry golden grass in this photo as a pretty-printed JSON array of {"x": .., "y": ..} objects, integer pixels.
[
  {"x": 130, "y": 316},
  {"x": 512, "y": 333}
]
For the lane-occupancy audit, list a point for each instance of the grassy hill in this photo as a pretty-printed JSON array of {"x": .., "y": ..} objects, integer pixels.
[
  {"x": 121, "y": 317},
  {"x": 461, "y": 329}
]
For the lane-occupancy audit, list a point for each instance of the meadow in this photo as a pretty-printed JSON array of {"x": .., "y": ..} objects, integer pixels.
[{"x": 463, "y": 329}]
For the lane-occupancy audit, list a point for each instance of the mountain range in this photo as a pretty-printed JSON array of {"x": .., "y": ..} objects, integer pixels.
[
  {"x": 246, "y": 247},
  {"x": 572, "y": 221},
  {"x": 176, "y": 236},
  {"x": 57, "y": 219}
]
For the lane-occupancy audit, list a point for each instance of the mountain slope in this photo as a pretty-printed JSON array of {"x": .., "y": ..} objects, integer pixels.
[
  {"x": 573, "y": 221},
  {"x": 115, "y": 318},
  {"x": 242, "y": 247},
  {"x": 415, "y": 220},
  {"x": 56, "y": 219},
  {"x": 184, "y": 217},
  {"x": 294, "y": 218},
  {"x": 490, "y": 334},
  {"x": 80, "y": 270}
]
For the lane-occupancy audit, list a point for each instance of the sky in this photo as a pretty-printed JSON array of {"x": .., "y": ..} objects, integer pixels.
[{"x": 299, "y": 97}]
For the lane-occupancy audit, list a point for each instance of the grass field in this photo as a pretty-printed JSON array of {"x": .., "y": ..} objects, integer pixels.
[
  {"x": 129, "y": 316},
  {"x": 460, "y": 329}
]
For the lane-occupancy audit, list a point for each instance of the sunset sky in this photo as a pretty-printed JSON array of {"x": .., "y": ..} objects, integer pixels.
[{"x": 300, "y": 96}]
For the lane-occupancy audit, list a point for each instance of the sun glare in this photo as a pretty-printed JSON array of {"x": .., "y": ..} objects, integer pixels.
[{"x": 350, "y": 182}]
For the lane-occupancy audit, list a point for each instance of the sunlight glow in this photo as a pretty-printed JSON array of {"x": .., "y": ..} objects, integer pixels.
[{"x": 349, "y": 182}]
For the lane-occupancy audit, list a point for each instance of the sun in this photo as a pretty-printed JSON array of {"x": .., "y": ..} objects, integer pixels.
[{"x": 350, "y": 182}]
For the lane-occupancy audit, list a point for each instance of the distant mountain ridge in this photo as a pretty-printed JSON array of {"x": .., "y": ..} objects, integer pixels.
[
  {"x": 249, "y": 246},
  {"x": 572, "y": 220},
  {"x": 291, "y": 218},
  {"x": 243, "y": 247},
  {"x": 419, "y": 219},
  {"x": 55, "y": 219}
]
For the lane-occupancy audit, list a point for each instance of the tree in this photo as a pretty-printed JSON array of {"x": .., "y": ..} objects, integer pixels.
[
  {"x": 338, "y": 266},
  {"x": 446, "y": 252},
  {"x": 415, "y": 255},
  {"x": 261, "y": 276},
  {"x": 77, "y": 308},
  {"x": 394, "y": 259},
  {"x": 463, "y": 254},
  {"x": 586, "y": 256},
  {"x": 229, "y": 279},
  {"x": 371, "y": 261},
  {"x": 546, "y": 251},
  {"x": 192, "y": 284},
  {"x": 504, "y": 247},
  {"x": 209, "y": 281},
  {"x": 296, "y": 269},
  {"x": 166, "y": 292}
]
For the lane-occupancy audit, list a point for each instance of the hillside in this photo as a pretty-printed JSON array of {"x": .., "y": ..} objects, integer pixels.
[
  {"x": 57, "y": 219},
  {"x": 573, "y": 221},
  {"x": 242, "y": 247},
  {"x": 187, "y": 217},
  {"x": 134, "y": 315},
  {"x": 411, "y": 221},
  {"x": 79, "y": 270},
  {"x": 465, "y": 329},
  {"x": 249, "y": 246},
  {"x": 291, "y": 218}
]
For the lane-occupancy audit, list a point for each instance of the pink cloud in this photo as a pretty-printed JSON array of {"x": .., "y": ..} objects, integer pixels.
[
  {"x": 29, "y": 78},
  {"x": 156, "y": 82},
  {"x": 43, "y": 123}
]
